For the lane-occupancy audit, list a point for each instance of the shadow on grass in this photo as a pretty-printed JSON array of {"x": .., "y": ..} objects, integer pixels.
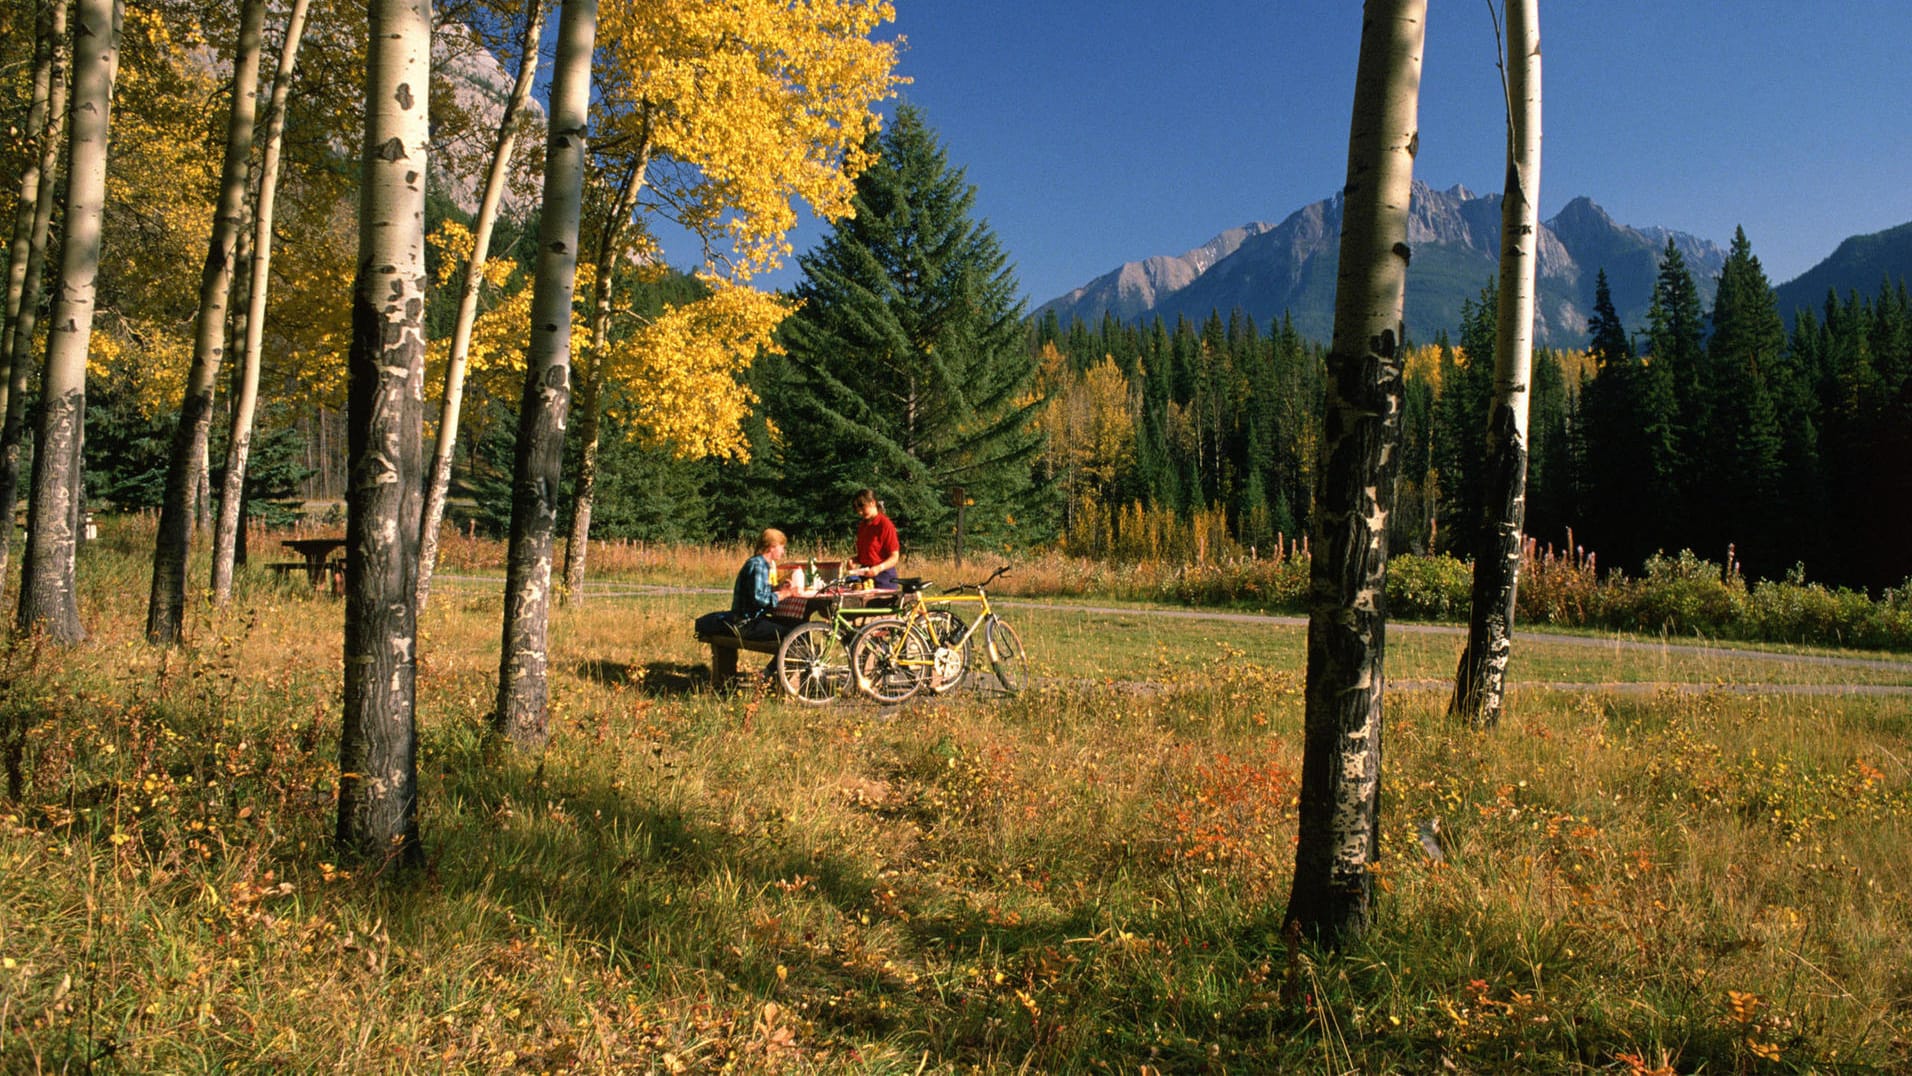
[
  {"x": 663, "y": 890},
  {"x": 659, "y": 679}
]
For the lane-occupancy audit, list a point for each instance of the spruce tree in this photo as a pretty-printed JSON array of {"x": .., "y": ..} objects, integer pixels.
[
  {"x": 1619, "y": 460},
  {"x": 1467, "y": 385},
  {"x": 1555, "y": 486},
  {"x": 1743, "y": 449},
  {"x": 1676, "y": 350},
  {"x": 908, "y": 361}
]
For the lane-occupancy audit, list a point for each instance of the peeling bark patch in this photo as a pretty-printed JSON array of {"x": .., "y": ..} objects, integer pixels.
[
  {"x": 1403, "y": 252},
  {"x": 392, "y": 150},
  {"x": 404, "y": 96}
]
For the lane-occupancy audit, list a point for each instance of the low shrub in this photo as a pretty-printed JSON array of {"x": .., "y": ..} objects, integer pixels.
[
  {"x": 1267, "y": 583},
  {"x": 1557, "y": 587},
  {"x": 1680, "y": 595},
  {"x": 1429, "y": 588}
]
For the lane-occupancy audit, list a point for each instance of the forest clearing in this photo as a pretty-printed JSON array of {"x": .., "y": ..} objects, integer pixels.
[
  {"x": 1086, "y": 877},
  {"x": 1340, "y": 678}
]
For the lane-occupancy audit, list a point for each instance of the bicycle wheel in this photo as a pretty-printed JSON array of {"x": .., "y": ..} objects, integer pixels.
[
  {"x": 889, "y": 661},
  {"x": 950, "y": 651},
  {"x": 811, "y": 665},
  {"x": 1006, "y": 655}
]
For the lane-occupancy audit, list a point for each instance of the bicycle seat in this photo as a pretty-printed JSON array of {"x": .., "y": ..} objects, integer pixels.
[{"x": 913, "y": 584}]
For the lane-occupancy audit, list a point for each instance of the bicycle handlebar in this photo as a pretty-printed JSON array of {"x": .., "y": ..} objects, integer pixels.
[{"x": 993, "y": 576}]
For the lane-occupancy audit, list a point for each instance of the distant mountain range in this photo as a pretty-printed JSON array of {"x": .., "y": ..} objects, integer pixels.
[
  {"x": 1267, "y": 270},
  {"x": 1860, "y": 264}
]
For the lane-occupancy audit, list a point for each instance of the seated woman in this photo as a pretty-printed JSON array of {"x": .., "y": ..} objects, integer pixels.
[{"x": 753, "y": 597}]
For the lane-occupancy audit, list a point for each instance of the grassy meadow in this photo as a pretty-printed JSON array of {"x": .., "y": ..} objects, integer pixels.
[{"x": 1658, "y": 865}]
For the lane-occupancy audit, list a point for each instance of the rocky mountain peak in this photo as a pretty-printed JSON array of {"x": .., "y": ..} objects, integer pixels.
[{"x": 1288, "y": 268}]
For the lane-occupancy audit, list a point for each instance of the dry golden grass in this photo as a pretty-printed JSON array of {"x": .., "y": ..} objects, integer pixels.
[{"x": 1086, "y": 878}]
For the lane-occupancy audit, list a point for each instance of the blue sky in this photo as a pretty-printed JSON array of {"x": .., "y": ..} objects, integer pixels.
[{"x": 1098, "y": 133}]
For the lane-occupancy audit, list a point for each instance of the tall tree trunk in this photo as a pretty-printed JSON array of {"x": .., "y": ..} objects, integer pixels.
[
  {"x": 438, "y": 483},
  {"x": 21, "y": 248},
  {"x": 48, "y": 598},
  {"x": 591, "y": 380},
  {"x": 37, "y": 207},
  {"x": 521, "y": 714},
  {"x": 1347, "y": 613},
  {"x": 187, "y": 463},
  {"x": 378, "y": 746},
  {"x": 229, "y": 534},
  {"x": 1480, "y": 683}
]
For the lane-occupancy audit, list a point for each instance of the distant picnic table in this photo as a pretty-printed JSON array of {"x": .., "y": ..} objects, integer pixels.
[{"x": 317, "y": 555}]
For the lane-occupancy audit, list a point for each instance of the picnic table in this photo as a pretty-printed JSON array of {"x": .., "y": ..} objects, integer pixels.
[
  {"x": 792, "y": 610},
  {"x": 317, "y": 554}
]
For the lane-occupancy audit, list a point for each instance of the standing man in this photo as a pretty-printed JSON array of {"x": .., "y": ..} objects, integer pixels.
[{"x": 877, "y": 549}]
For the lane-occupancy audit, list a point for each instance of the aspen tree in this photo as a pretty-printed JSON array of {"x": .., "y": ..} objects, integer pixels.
[
  {"x": 232, "y": 499},
  {"x": 48, "y": 600},
  {"x": 520, "y": 715},
  {"x": 20, "y": 249},
  {"x": 610, "y": 248},
  {"x": 723, "y": 117},
  {"x": 1480, "y": 683},
  {"x": 38, "y": 184},
  {"x": 1340, "y": 816},
  {"x": 186, "y": 464},
  {"x": 378, "y": 779},
  {"x": 438, "y": 482}
]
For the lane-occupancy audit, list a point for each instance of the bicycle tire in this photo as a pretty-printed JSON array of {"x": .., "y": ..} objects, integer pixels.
[
  {"x": 950, "y": 651},
  {"x": 811, "y": 665},
  {"x": 1006, "y": 655},
  {"x": 889, "y": 661}
]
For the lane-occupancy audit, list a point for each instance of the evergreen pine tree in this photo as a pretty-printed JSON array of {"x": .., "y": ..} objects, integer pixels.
[
  {"x": 1622, "y": 493},
  {"x": 908, "y": 359},
  {"x": 1676, "y": 346},
  {"x": 1467, "y": 385},
  {"x": 1554, "y": 491},
  {"x": 1752, "y": 457}
]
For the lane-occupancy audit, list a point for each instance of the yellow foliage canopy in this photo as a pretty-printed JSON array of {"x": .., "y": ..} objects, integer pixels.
[
  {"x": 736, "y": 113},
  {"x": 745, "y": 107},
  {"x": 1089, "y": 423},
  {"x": 685, "y": 364}
]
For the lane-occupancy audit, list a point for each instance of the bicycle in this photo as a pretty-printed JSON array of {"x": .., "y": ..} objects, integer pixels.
[
  {"x": 928, "y": 645},
  {"x": 812, "y": 662}
]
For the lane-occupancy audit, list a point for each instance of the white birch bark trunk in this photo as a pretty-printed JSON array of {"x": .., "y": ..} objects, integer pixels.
[
  {"x": 1339, "y": 833},
  {"x": 37, "y": 208},
  {"x": 438, "y": 483},
  {"x": 1480, "y": 682},
  {"x": 523, "y": 688},
  {"x": 378, "y": 778},
  {"x": 591, "y": 374},
  {"x": 48, "y": 598},
  {"x": 232, "y": 500},
  {"x": 186, "y": 471}
]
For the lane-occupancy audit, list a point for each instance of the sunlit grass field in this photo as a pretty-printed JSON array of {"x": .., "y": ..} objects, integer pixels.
[{"x": 1686, "y": 872}]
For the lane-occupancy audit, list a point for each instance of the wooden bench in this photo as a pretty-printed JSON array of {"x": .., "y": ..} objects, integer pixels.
[{"x": 723, "y": 654}]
